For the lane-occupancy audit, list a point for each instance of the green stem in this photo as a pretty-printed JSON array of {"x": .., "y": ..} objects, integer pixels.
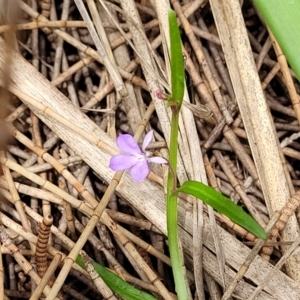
[{"x": 172, "y": 213}]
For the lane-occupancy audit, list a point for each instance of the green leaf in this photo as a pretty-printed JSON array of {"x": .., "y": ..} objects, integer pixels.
[
  {"x": 177, "y": 65},
  {"x": 116, "y": 284},
  {"x": 222, "y": 205},
  {"x": 282, "y": 17}
]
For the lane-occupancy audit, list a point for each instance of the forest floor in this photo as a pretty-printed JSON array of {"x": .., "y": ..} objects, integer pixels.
[{"x": 75, "y": 87}]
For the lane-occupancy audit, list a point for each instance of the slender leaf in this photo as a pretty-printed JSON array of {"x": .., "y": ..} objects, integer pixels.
[
  {"x": 116, "y": 284},
  {"x": 282, "y": 17},
  {"x": 177, "y": 66},
  {"x": 222, "y": 205}
]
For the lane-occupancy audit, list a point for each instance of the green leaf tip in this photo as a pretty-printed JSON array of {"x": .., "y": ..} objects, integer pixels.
[
  {"x": 223, "y": 205},
  {"x": 177, "y": 65},
  {"x": 116, "y": 284},
  {"x": 282, "y": 17}
]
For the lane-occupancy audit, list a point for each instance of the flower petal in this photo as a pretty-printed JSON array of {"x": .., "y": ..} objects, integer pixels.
[
  {"x": 122, "y": 162},
  {"x": 157, "y": 160},
  {"x": 140, "y": 170},
  {"x": 127, "y": 144},
  {"x": 147, "y": 140}
]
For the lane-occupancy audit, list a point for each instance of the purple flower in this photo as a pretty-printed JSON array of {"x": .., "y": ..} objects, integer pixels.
[{"x": 133, "y": 157}]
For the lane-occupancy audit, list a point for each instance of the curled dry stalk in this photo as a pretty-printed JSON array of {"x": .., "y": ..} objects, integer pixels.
[
  {"x": 45, "y": 6},
  {"x": 287, "y": 211},
  {"x": 246, "y": 264},
  {"x": 41, "y": 246},
  {"x": 22, "y": 261}
]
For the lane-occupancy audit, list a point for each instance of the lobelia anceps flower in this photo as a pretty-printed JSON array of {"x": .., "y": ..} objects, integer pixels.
[{"x": 133, "y": 157}]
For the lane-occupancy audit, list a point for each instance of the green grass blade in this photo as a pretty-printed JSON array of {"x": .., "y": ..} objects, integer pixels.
[
  {"x": 116, "y": 284},
  {"x": 283, "y": 17},
  {"x": 177, "y": 65},
  {"x": 177, "y": 82},
  {"x": 223, "y": 205}
]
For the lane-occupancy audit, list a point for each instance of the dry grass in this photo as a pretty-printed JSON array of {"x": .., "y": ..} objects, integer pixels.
[{"x": 72, "y": 94}]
